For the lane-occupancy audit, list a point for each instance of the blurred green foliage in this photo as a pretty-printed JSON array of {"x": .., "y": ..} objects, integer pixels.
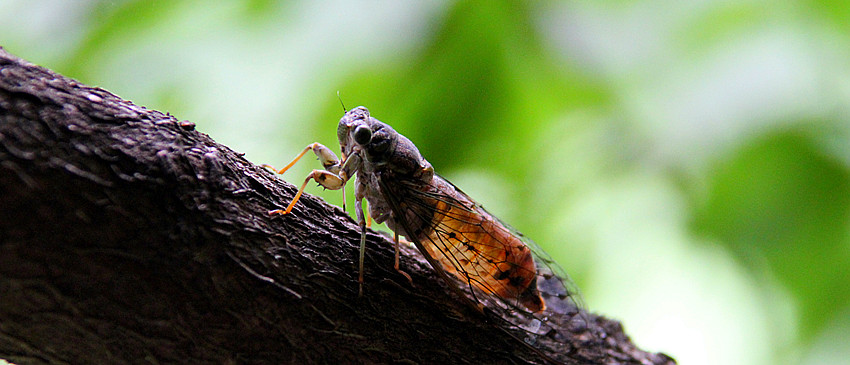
[
  {"x": 688, "y": 163},
  {"x": 782, "y": 201}
]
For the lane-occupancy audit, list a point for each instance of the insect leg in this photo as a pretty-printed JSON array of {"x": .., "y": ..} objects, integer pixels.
[
  {"x": 346, "y": 169},
  {"x": 395, "y": 240},
  {"x": 368, "y": 219},
  {"x": 343, "y": 202},
  {"x": 358, "y": 206},
  {"x": 325, "y": 178},
  {"x": 334, "y": 177},
  {"x": 326, "y": 157}
]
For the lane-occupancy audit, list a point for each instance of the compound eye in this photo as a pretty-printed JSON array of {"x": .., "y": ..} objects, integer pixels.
[{"x": 362, "y": 134}]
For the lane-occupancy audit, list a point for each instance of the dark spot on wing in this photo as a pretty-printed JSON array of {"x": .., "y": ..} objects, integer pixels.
[{"x": 516, "y": 280}]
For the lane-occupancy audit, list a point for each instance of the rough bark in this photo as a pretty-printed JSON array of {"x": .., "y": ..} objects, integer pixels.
[{"x": 126, "y": 236}]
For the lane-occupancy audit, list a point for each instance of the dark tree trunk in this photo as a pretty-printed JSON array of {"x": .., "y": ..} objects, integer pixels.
[{"x": 128, "y": 237}]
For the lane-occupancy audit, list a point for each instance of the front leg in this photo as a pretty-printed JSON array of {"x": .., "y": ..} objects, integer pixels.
[
  {"x": 325, "y": 155},
  {"x": 326, "y": 179},
  {"x": 333, "y": 177}
]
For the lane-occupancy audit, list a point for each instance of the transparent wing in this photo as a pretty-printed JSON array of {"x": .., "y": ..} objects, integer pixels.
[{"x": 485, "y": 258}]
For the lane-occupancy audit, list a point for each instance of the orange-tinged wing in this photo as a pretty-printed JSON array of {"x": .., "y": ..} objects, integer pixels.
[
  {"x": 505, "y": 275},
  {"x": 476, "y": 248}
]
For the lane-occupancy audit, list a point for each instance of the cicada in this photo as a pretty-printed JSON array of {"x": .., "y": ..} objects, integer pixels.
[{"x": 489, "y": 264}]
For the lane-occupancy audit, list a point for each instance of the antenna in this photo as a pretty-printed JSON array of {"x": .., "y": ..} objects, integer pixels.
[{"x": 340, "y": 102}]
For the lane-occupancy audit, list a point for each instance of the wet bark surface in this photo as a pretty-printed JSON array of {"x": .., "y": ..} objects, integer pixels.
[{"x": 127, "y": 236}]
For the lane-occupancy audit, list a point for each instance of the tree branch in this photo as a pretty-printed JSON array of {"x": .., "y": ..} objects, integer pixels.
[{"x": 128, "y": 237}]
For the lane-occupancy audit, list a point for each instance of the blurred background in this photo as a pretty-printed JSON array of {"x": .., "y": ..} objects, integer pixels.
[{"x": 687, "y": 162}]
